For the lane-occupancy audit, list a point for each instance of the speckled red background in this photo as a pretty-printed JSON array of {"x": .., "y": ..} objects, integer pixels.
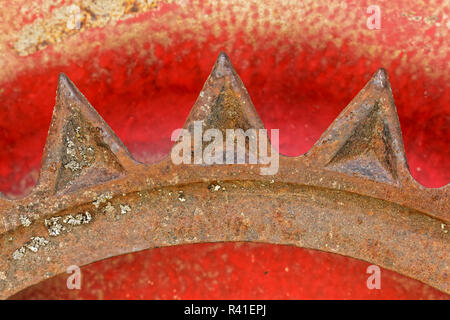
[{"x": 299, "y": 87}]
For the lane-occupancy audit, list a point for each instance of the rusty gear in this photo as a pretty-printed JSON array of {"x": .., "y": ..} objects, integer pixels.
[{"x": 351, "y": 194}]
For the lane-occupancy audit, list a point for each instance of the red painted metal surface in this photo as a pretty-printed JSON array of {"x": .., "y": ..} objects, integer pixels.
[{"x": 143, "y": 76}]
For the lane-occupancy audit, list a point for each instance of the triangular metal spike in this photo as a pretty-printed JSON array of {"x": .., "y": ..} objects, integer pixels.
[
  {"x": 223, "y": 104},
  {"x": 365, "y": 139},
  {"x": 81, "y": 149}
]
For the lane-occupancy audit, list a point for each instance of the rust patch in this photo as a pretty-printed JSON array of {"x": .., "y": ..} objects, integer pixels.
[{"x": 77, "y": 17}]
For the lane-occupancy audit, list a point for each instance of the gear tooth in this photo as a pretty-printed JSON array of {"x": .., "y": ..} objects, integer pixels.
[
  {"x": 224, "y": 103},
  {"x": 366, "y": 139},
  {"x": 81, "y": 148}
]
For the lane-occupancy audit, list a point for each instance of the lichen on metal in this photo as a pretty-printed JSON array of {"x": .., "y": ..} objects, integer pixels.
[{"x": 351, "y": 194}]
